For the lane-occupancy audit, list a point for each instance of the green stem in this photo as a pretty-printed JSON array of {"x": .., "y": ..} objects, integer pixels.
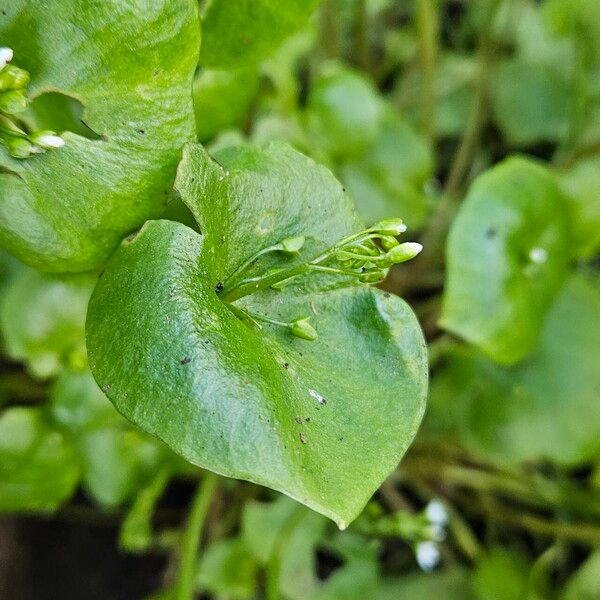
[
  {"x": 193, "y": 533},
  {"x": 274, "y": 564},
  {"x": 329, "y": 29},
  {"x": 427, "y": 25},
  {"x": 360, "y": 32}
]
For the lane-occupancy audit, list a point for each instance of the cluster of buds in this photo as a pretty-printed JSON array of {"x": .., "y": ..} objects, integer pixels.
[
  {"x": 422, "y": 531},
  {"x": 361, "y": 258},
  {"x": 13, "y": 101}
]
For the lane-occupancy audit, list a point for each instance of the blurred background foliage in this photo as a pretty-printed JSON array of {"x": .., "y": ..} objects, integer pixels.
[{"x": 478, "y": 122}]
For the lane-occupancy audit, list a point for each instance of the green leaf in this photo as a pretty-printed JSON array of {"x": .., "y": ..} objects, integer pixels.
[
  {"x": 507, "y": 254},
  {"x": 389, "y": 178},
  {"x": 581, "y": 184},
  {"x": 501, "y": 575},
  {"x": 585, "y": 584},
  {"x": 343, "y": 113},
  {"x": 136, "y": 530},
  {"x": 228, "y": 570},
  {"x": 116, "y": 462},
  {"x": 43, "y": 320},
  {"x": 262, "y": 523},
  {"x": 543, "y": 408},
  {"x": 77, "y": 403},
  {"x": 222, "y": 99},
  {"x": 131, "y": 66},
  {"x": 532, "y": 103},
  {"x": 38, "y": 467},
  {"x": 249, "y": 30},
  {"x": 259, "y": 404},
  {"x": 452, "y": 584}
]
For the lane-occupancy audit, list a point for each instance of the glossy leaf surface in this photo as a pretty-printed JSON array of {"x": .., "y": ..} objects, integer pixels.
[
  {"x": 130, "y": 64},
  {"x": 259, "y": 404}
]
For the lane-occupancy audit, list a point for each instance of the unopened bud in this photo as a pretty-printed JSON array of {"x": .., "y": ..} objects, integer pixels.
[
  {"x": 303, "y": 329},
  {"x": 402, "y": 253},
  {"x": 6, "y": 55},
  {"x": 19, "y": 147},
  {"x": 47, "y": 139},
  {"x": 390, "y": 227},
  {"x": 372, "y": 276},
  {"x": 13, "y": 78},
  {"x": 12, "y": 102},
  {"x": 292, "y": 245},
  {"x": 388, "y": 242}
]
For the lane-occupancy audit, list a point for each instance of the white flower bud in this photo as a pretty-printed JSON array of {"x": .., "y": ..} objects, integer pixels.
[
  {"x": 6, "y": 55},
  {"x": 538, "y": 255},
  {"x": 428, "y": 555},
  {"x": 436, "y": 513},
  {"x": 50, "y": 141}
]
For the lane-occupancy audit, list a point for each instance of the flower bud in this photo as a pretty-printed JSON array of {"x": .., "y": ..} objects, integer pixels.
[
  {"x": 390, "y": 227},
  {"x": 372, "y": 276},
  {"x": 388, "y": 242},
  {"x": 303, "y": 329},
  {"x": 6, "y": 55},
  {"x": 19, "y": 147},
  {"x": 12, "y": 102},
  {"x": 401, "y": 253},
  {"x": 292, "y": 245},
  {"x": 13, "y": 78},
  {"x": 47, "y": 139},
  {"x": 428, "y": 555}
]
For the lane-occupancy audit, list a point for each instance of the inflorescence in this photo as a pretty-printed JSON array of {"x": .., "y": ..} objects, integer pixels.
[
  {"x": 13, "y": 101},
  {"x": 362, "y": 258}
]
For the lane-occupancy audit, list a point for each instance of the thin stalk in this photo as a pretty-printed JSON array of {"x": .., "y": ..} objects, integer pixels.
[
  {"x": 428, "y": 27},
  {"x": 329, "y": 29},
  {"x": 193, "y": 533},
  {"x": 274, "y": 564},
  {"x": 363, "y": 57}
]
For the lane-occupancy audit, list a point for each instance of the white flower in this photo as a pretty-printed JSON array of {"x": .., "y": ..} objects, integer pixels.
[
  {"x": 436, "y": 513},
  {"x": 6, "y": 55},
  {"x": 428, "y": 555},
  {"x": 538, "y": 255}
]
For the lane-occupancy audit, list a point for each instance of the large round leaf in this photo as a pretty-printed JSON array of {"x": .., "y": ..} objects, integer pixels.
[
  {"x": 507, "y": 254},
  {"x": 130, "y": 64},
  {"x": 323, "y": 421}
]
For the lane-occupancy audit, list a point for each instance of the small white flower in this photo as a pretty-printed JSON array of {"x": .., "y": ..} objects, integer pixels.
[
  {"x": 50, "y": 141},
  {"x": 414, "y": 247},
  {"x": 436, "y": 513},
  {"x": 428, "y": 555},
  {"x": 538, "y": 255},
  {"x": 6, "y": 55}
]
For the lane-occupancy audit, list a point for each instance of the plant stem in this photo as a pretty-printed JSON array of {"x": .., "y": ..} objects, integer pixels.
[
  {"x": 329, "y": 29},
  {"x": 274, "y": 565},
  {"x": 427, "y": 25},
  {"x": 363, "y": 58},
  {"x": 193, "y": 533}
]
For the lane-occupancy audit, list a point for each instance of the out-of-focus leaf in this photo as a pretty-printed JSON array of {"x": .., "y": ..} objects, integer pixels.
[
  {"x": 585, "y": 584},
  {"x": 500, "y": 575},
  {"x": 222, "y": 99},
  {"x": 261, "y": 525},
  {"x": 131, "y": 64},
  {"x": 389, "y": 178},
  {"x": 228, "y": 570},
  {"x": 581, "y": 184},
  {"x": 343, "y": 113},
  {"x": 248, "y": 30},
  {"x": 116, "y": 461},
  {"x": 544, "y": 408},
  {"x": 136, "y": 530},
  {"x": 38, "y": 466},
  {"x": 43, "y": 320},
  {"x": 507, "y": 254},
  {"x": 77, "y": 403},
  {"x": 532, "y": 103},
  {"x": 452, "y": 584}
]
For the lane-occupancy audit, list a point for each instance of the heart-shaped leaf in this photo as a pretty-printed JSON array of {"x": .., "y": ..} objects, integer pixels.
[
  {"x": 131, "y": 65},
  {"x": 507, "y": 254},
  {"x": 323, "y": 421}
]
